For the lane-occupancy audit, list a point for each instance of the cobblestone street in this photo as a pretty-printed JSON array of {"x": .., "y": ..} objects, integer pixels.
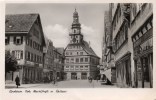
[{"x": 65, "y": 84}]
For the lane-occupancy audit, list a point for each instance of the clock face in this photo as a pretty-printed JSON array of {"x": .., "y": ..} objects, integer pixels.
[{"x": 74, "y": 39}]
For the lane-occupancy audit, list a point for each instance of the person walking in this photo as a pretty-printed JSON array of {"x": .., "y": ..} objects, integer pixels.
[
  {"x": 97, "y": 78},
  {"x": 17, "y": 80},
  {"x": 91, "y": 79}
]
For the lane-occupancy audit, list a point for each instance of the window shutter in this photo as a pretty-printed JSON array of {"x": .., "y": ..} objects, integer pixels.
[
  {"x": 21, "y": 39},
  {"x": 21, "y": 54},
  {"x": 26, "y": 55},
  {"x": 14, "y": 39}
]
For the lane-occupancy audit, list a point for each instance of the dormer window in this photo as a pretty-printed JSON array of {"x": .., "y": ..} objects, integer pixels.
[{"x": 18, "y": 40}]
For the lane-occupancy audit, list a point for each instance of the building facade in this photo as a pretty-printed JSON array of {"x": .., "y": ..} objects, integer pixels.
[
  {"x": 122, "y": 44},
  {"x": 24, "y": 38},
  {"x": 132, "y": 43},
  {"x": 48, "y": 63},
  {"x": 58, "y": 72},
  {"x": 142, "y": 37},
  {"x": 80, "y": 59},
  {"x": 109, "y": 70}
]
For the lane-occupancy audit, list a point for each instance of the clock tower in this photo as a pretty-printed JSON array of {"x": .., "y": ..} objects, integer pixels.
[
  {"x": 76, "y": 36},
  {"x": 80, "y": 60}
]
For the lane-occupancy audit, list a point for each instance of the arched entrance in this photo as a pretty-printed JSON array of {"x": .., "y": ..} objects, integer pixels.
[
  {"x": 83, "y": 76},
  {"x": 73, "y": 76}
]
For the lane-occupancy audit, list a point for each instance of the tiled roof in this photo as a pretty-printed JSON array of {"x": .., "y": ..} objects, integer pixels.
[
  {"x": 19, "y": 22},
  {"x": 88, "y": 49}
]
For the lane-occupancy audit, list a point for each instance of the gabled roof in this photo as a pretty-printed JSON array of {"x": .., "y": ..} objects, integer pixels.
[
  {"x": 86, "y": 48},
  {"x": 19, "y": 22}
]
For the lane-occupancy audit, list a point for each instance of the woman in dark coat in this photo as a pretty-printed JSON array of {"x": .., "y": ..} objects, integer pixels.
[{"x": 17, "y": 80}]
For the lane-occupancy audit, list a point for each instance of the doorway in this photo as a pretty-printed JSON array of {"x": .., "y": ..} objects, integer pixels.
[{"x": 73, "y": 76}]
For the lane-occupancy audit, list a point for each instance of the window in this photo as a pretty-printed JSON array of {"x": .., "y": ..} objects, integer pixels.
[
  {"x": 121, "y": 37},
  {"x": 77, "y": 53},
  {"x": 7, "y": 40},
  {"x": 18, "y": 40},
  {"x": 67, "y": 60},
  {"x": 18, "y": 54},
  {"x": 81, "y": 53},
  {"x": 77, "y": 67},
  {"x": 81, "y": 67},
  {"x": 70, "y": 53},
  {"x": 72, "y": 60},
  {"x": 71, "y": 67},
  {"x": 86, "y": 67},
  {"x": 86, "y": 59},
  {"x": 31, "y": 57},
  {"x": 77, "y": 59},
  {"x": 81, "y": 59},
  {"x": 74, "y": 31},
  {"x": 67, "y": 66}
]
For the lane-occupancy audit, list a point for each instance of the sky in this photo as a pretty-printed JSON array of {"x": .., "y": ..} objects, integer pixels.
[{"x": 57, "y": 18}]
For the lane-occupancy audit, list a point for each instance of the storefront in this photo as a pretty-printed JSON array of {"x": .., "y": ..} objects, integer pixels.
[
  {"x": 73, "y": 76},
  {"x": 83, "y": 76},
  {"x": 123, "y": 71},
  {"x": 143, "y": 55}
]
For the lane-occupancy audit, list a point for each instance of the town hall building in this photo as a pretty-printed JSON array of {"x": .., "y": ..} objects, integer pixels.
[{"x": 80, "y": 59}]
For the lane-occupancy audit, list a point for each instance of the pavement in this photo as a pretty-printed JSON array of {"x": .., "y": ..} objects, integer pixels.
[{"x": 64, "y": 84}]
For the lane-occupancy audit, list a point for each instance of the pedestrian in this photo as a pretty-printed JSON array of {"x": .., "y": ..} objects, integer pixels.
[
  {"x": 17, "y": 80},
  {"x": 97, "y": 78},
  {"x": 76, "y": 77},
  {"x": 90, "y": 79},
  {"x": 54, "y": 80}
]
